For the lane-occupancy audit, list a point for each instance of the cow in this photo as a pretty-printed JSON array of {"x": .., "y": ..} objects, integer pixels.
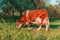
[{"x": 39, "y": 17}]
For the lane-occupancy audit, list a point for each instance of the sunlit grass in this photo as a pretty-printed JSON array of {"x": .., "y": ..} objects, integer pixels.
[{"x": 8, "y": 31}]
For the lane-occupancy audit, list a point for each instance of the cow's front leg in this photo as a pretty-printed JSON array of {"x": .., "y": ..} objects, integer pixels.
[
  {"x": 28, "y": 25},
  {"x": 39, "y": 21}
]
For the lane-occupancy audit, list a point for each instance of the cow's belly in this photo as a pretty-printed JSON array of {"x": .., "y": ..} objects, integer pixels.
[
  {"x": 32, "y": 19},
  {"x": 37, "y": 21}
]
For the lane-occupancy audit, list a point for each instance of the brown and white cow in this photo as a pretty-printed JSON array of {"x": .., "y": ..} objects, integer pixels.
[{"x": 34, "y": 16}]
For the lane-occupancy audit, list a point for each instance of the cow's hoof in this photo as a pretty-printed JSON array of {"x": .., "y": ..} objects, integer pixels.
[{"x": 38, "y": 29}]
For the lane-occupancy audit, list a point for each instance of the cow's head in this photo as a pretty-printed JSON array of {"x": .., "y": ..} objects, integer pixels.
[{"x": 18, "y": 24}]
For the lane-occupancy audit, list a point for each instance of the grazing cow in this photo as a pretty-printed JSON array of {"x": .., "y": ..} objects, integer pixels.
[{"x": 34, "y": 16}]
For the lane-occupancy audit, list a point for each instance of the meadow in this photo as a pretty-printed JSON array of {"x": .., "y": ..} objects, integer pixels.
[{"x": 8, "y": 31}]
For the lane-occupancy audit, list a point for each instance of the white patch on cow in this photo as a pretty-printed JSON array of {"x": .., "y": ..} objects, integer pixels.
[
  {"x": 26, "y": 23},
  {"x": 27, "y": 12},
  {"x": 19, "y": 26},
  {"x": 38, "y": 20}
]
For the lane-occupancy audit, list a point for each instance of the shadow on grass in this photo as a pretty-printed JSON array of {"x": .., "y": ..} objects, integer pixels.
[
  {"x": 36, "y": 26},
  {"x": 54, "y": 26}
]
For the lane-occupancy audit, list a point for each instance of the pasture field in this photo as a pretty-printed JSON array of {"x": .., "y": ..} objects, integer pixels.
[{"x": 8, "y": 31}]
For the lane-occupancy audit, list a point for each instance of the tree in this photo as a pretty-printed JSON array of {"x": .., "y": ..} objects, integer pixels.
[{"x": 39, "y": 4}]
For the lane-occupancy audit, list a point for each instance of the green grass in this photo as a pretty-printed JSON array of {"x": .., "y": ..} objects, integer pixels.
[{"x": 8, "y": 31}]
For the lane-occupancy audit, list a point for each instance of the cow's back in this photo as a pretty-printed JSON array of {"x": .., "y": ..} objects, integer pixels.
[{"x": 33, "y": 14}]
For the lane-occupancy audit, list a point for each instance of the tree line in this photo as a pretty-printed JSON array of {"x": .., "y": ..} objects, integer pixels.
[{"x": 14, "y": 8}]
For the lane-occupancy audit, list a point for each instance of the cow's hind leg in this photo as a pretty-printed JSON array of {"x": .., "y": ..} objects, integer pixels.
[{"x": 47, "y": 25}]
